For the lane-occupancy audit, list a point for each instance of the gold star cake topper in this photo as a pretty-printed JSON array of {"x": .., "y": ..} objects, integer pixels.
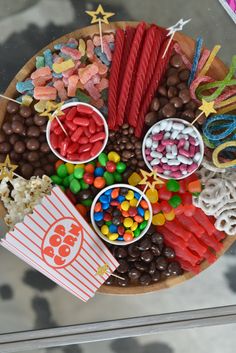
[
  {"x": 7, "y": 169},
  {"x": 100, "y": 16},
  {"x": 102, "y": 270},
  {"x": 53, "y": 110},
  {"x": 150, "y": 179},
  {"x": 206, "y": 108}
]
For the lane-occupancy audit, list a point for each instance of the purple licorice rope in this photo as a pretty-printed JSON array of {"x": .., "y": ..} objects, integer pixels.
[{"x": 196, "y": 59}]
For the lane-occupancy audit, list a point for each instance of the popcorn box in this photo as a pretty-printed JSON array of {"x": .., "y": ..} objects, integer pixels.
[
  {"x": 230, "y": 8},
  {"x": 57, "y": 241}
]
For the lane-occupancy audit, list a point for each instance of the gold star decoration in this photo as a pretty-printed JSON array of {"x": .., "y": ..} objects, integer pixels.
[
  {"x": 100, "y": 15},
  {"x": 150, "y": 179},
  {"x": 53, "y": 110},
  {"x": 207, "y": 107},
  {"x": 7, "y": 169},
  {"x": 102, "y": 270}
]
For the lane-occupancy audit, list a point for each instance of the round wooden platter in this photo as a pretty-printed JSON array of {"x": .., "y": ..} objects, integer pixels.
[{"x": 187, "y": 44}]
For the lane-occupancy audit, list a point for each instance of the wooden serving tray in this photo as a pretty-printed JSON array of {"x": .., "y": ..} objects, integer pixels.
[{"x": 218, "y": 70}]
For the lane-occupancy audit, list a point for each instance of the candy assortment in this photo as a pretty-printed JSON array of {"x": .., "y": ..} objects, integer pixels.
[
  {"x": 97, "y": 148},
  {"x": 173, "y": 148},
  {"x": 121, "y": 213},
  {"x": 86, "y": 133}
]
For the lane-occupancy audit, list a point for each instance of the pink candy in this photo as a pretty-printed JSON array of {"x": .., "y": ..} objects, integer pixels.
[{"x": 45, "y": 93}]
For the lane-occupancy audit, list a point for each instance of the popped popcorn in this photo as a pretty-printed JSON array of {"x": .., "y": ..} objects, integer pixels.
[{"x": 20, "y": 196}]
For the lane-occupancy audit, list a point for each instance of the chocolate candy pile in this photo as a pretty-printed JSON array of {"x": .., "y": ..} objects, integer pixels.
[
  {"x": 145, "y": 262},
  {"x": 173, "y": 95},
  {"x": 128, "y": 146},
  {"x": 23, "y": 137},
  {"x": 86, "y": 133}
]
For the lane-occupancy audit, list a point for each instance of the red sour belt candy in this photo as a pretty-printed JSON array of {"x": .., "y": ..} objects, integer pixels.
[
  {"x": 203, "y": 220},
  {"x": 188, "y": 267},
  {"x": 177, "y": 229},
  {"x": 190, "y": 224}
]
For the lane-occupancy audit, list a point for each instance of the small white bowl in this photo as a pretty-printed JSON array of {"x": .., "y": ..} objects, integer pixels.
[
  {"x": 187, "y": 124},
  {"x": 69, "y": 105},
  {"x": 118, "y": 242}
]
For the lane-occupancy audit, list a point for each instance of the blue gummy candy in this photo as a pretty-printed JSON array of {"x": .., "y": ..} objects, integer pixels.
[
  {"x": 120, "y": 198},
  {"x": 196, "y": 58},
  {"x": 98, "y": 216},
  {"x": 54, "y": 74},
  {"x": 48, "y": 58},
  {"x": 64, "y": 56},
  {"x": 113, "y": 228},
  {"x": 101, "y": 56},
  {"x": 141, "y": 211},
  {"x": 99, "y": 171},
  {"x": 24, "y": 86}
]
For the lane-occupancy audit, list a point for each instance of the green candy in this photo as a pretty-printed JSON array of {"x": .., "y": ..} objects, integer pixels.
[
  {"x": 62, "y": 188},
  {"x": 87, "y": 202},
  {"x": 78, "y": 173},
  {"x": 71, "y": 177},
  {"x": 173, "y": 185},
  {"x": 62, "y": 171},
  {"x": 75, "y": 186},
  {"x": 82, "y": 97},
  {"x": 39, "y": 62},
  {"x": 120, "y": 167},
  {"x": 102, "y": 159},
  {"x": 118, "y": 177},
  {"x": 108, "y": 223},
  {"x": 175, "y": 201},
  {"x": 137, "y": 232},
  {"x": 84, "y": 186},
  {"x": 109, "y": 177},
  {"x": 143, "y": 225},
  {"x": 56, "y": 179},
  {"x": 66, "y": 182}
]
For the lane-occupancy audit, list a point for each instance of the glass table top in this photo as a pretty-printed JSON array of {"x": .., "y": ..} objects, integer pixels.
[{"x": 30, "y": 301}]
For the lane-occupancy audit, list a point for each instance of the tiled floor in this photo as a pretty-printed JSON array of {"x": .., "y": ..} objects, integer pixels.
[{"x": 26, "y": 26}]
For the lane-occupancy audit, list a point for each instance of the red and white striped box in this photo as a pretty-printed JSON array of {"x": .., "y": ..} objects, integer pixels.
[{"x": 57, "y": 241}]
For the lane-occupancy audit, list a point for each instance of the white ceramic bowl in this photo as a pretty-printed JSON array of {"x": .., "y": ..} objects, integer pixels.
[
  {"x": 69, "y": 105},
  {"x": 118, "y": 242},
  {"x": 198, "y": 136}
]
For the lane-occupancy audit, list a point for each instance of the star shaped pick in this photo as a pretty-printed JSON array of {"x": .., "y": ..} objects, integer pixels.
[
  {"x": 102, "y": 270},
  {"x": 52, "y": 110},
  {"x": 207, "y": 107},
  {"x": 150, "y": 179},
  {"x": 7, "y": 169},
  {"x": 100, "y": 15},
  {"x": 177, "y": 27}
]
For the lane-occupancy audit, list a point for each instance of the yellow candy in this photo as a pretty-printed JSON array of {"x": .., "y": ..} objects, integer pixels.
[
  {"x": 113, "y": 236},
  {"x": 79, "y": 166},
  {"x": 70, "y": 168},
  {"x": 158, "y": 219},
  {"x": 133, "y": 202},
  {"x": 147, "y": 215},
  {"x": 134, "y": 226},
  {"x": 170, "y": 216},
  {"x": 65, "y": 65},
  {"x": 82, "y": 47},
  {"x": 125, "y": 205},
  {"x": 128, "y": 222},
  {"x": 130, "y": 232},
  {"x": 104, "y": 229},
  {"x": 27, "y": 100},
  {"x": 130, "y": 195},
  {"x": 134, "y": 179},
  {"x": 40, "y": 106},
  {"x": 152, "y": 195},
  {"x": 113, "y": 156}
]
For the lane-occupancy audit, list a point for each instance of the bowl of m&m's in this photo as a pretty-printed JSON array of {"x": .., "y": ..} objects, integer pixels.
[
  {"x": 121, "y": 214},
  {"x": 79, "y": 134},
  {"x": 173, "y": 148}
]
